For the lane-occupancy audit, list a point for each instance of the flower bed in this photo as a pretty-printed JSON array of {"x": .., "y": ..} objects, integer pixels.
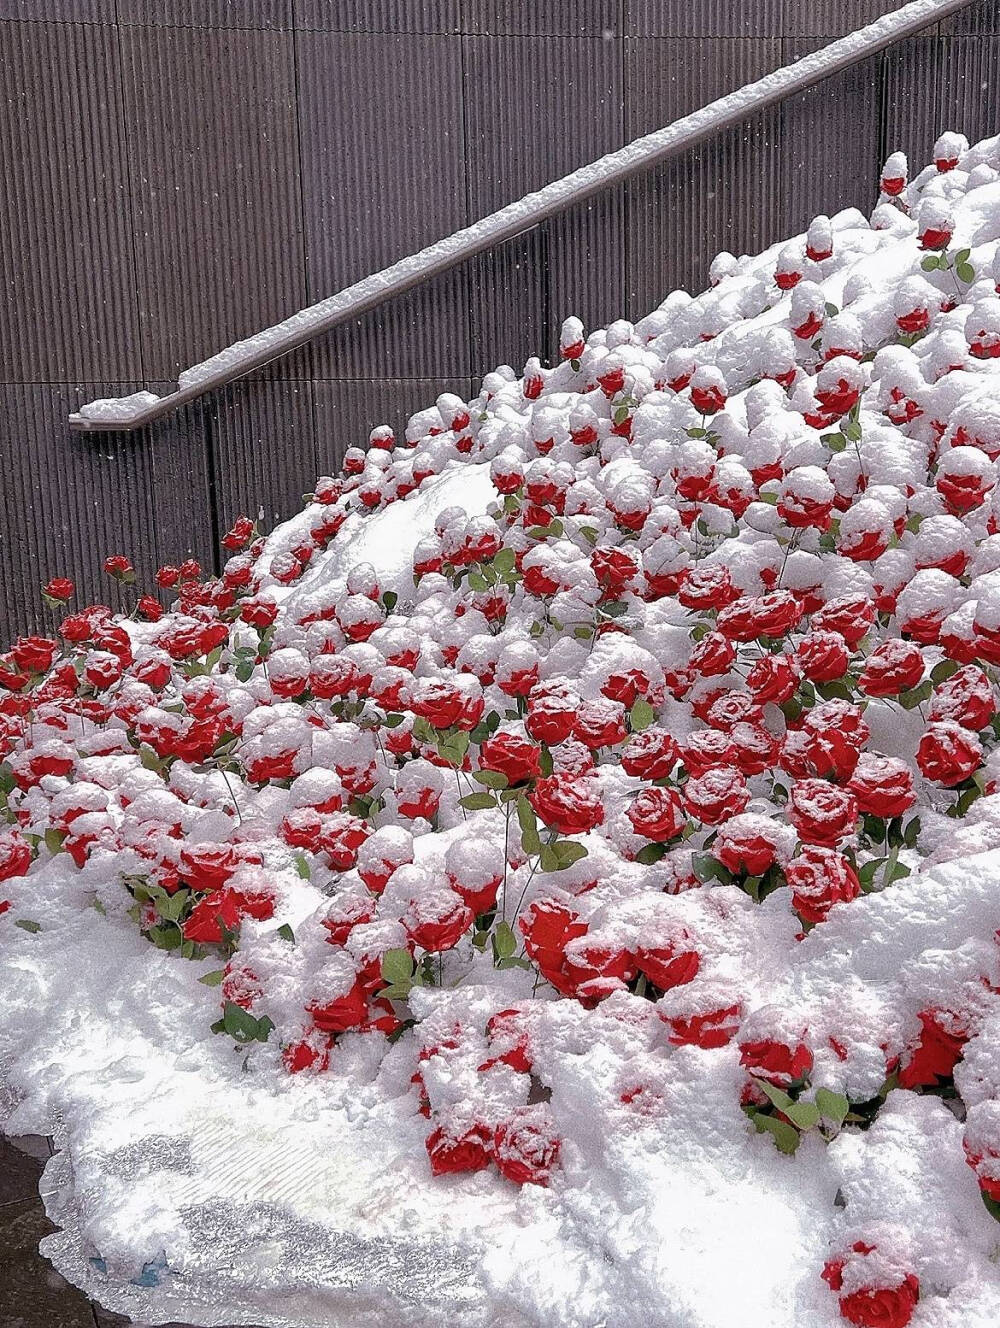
[{"x": 551, "y": 879}]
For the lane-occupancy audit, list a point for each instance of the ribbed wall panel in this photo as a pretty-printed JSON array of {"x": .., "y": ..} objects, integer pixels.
[
  {"x": 347, "y": 411},
  {"x": 69, "y": 501},
  {"x": 829, "y": 140},
  {"x": 834, "y": 18},
  {"x": 384, "y": 154},
  {"x": 66, "y": 259},
  {"x": 981, "y": 17},
  {"x": 264, "y": 445},
  {"x": 704, "y": 18},
  {"x": 548, "y": 18},
  {"x": 724, "y": 195},
  {"x": 538, "y": 107},
  {"x": 217, "y": 203},
  {"x": 272, "y": 14},
  {"x": 912, "y": 99},
  {"x": 968, "y": 83},
  {"x": 178, "y": 450},
  {"x": 378, "y": 15},
  {"x": 62, "y": 11}
]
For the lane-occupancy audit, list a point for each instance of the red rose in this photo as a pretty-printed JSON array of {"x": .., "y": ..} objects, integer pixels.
[
  {"x": 966, "y": 698},
  {"x": 207, "y": 866},
  {"x": 827, "y": 755},
  {"x": 526, "y": 1146},
  {"x": 651, "y": 754},
  {"x": 707, "y": 587},
  {"x": 778, "y": 1063},
  {"x": 773, "y": 679},
  {"x": 882, "y": 1307},
  {"x": 452, "y": 1149},
  {"x": 891, "y": 668},
  {"x": 119, "y": 567},
  {"x": 219, "y": 909},
  {"x": 882, "y": 785},
  {"x": 600, "y": 724},
  {"x": 34, "y": 654},
  {"x": 670, "y": 964},
  {"x": 438, "y": 702},
  {"x": 936, "y": 1054},
  {"x": 596, "y": 968},
  {"x": 822, "y": 813},
  {"x": 657, "y": 814},
  {"x": 551, "y": 713},
  {"x": 510, "y": 754},
  {"x": 60, "y": 589},
  {"x": 15, "y": 855},
  {"x": 547, "y": 928},
  {"x": 753, "y": 616},
  {"x": 716, "y": 795},
  {"x": 822, "y": 656},
  {"x": 948, "y": 754},
  {"x": 712, "y": 1028},
  {"x": 746, "y": 844},
  {"x": 344, "y": 1012},
  {"x": 818, "y": 879},
  {"x": 437, "y": 921},
  {"x": 713, "y": 655},
  {"x": 568, "y": 806}
]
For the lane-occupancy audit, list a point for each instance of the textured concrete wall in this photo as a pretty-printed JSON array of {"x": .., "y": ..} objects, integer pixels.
[{"x": 179, "y": 173}]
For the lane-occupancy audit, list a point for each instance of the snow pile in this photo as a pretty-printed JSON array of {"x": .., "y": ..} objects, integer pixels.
[{"x": 552, "y": 878}]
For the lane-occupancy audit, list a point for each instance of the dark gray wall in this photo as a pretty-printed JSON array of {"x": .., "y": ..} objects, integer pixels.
[{"x": 177, "y": 174}]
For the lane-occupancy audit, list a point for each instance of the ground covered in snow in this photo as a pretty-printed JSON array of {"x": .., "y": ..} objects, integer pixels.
[{"x": 552, "y": 879}]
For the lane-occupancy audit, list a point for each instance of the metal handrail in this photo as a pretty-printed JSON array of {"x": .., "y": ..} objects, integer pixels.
[{"x": 514, "y": 219}]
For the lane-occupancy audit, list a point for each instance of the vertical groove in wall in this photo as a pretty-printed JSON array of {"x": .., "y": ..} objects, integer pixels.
[
  {"x": 834, "y": 18},
  {"x": 706, "y": 18},
  {"x": 537, "y": 108},
  {"x": 384, "y": 153},
  {"x": 378, "y": 15},
  {"x": 264, "y": 449},
  {"x": 967, "y": 88},
  {"x": 913, "y": 72},
  {"x": 273, "y": 14},
  {"x": 65, "y": 258},
  {"x": 725, "y": 194},
  {"x": 831, "y": 141},
  {"x": 219, "y": 239},
  {"x": 69, "y": 500},
  {"x": 542, "y": 18}
]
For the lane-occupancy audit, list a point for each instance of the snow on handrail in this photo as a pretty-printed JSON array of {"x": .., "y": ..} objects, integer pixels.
[{"x": 131, "y": 412}]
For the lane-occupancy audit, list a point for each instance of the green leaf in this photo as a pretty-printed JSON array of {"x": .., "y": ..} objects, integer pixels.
[
  {"x": 286, "y": 933},
  {"x": 909, "y": 700},
  {"x": 241, "y": 1025},
  {"x": 567, "y": 852},
  {"x": 834, "y": 1106},
  {"x": 244, "y": 670},
  {"x": 513, "y": 961},
  {"x": 504, "y": 560},
  {"x": 966, "y": 272},
  {"x": 614, "y": 608},
  {"x": 528, "y": 822},
  {"x": 944, "y": 670},
  {"x": 929, "y": 263},
  {"x": 805, "y": 1115},
  {"x": 302, "y": 866},
  {"x": 549, "y": 859},
  {"x": 650, "y": 854},
  {"x": 397, "y": 966},
  {"x": 27, "y": 924},
  {"x": 213, "y": 979},
  {"x": 504, "y": 941},
  {"x": 54, "y": 839},
  {"x": 583, "y": 633},
  {"x": 494, "y": 779},
  {"x": 589, "y": 534},
  {"x": 786, "y": 1136},
  {"x": 641, "y": 715},
  {"x": 963, "y": 255},
  {"x": 477, "y": 581},
  {"x": 836, "y": 442},
  {"x": 477, "y": 802},
  {"x": 399, "y": 991},
  {"x": 453, "y": 747},
  {"x": 777, "y": 1096},
  {"x": 390, "y": 599}
]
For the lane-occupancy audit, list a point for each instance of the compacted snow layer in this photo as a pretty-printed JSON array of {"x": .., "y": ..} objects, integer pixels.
[{"x": 583, "y": 817}]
